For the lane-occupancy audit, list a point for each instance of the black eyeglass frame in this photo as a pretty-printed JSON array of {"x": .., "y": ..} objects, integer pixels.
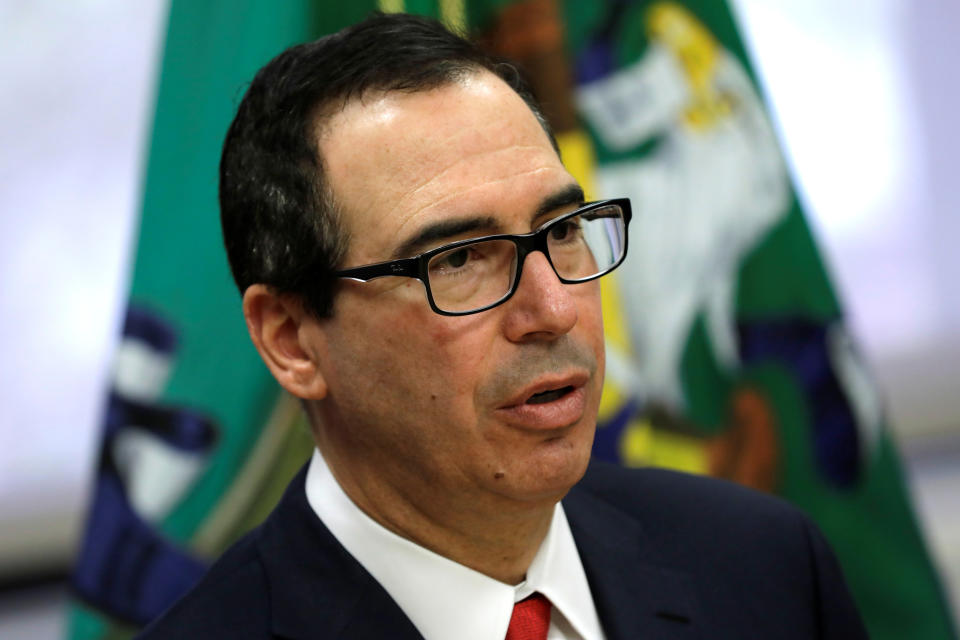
[{"x": 526, "y": 243}]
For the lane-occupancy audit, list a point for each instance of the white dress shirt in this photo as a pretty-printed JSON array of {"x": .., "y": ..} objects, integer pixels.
[{"x": 445, "y": 599}]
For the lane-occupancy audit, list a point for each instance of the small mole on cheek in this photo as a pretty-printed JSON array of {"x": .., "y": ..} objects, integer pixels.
[
  {"x": 498, "y": 475},
  {"x": 433, "y": 396}
]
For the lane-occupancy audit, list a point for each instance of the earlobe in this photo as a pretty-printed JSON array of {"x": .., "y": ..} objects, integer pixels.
[{"x": 288, "y": 338}]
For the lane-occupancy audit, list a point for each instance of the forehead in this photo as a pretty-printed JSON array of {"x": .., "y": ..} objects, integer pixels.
[{"x": 399, "y": 161}]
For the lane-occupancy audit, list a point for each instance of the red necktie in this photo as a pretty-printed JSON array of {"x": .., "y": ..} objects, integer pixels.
[{"x": 530, "y": 619}]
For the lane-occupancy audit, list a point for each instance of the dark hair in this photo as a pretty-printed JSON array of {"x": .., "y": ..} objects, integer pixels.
[{"x": 280, "y": 221}]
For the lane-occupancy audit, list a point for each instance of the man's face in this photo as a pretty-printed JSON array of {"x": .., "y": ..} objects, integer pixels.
[{"x": 435, "y": 407}]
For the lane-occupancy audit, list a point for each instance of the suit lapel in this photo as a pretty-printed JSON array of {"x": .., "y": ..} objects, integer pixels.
[
  {"x": 317, "y": 589},
  {"x": 635, "y": 596}
]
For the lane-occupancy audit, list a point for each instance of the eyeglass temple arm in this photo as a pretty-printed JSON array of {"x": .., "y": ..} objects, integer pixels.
[{"x": 407, "y": 267}]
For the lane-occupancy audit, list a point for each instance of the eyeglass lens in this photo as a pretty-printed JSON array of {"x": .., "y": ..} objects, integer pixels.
[{"x": 473, "y": 276}]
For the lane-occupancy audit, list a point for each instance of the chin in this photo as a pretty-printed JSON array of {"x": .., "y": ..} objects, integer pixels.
[{"x": 552, "y": 470}]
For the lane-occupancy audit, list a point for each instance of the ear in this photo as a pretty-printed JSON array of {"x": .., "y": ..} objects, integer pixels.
[{"x": 289, "y": 338}]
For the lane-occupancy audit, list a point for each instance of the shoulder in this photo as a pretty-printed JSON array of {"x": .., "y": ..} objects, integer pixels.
[
  {"x": 229, "y": 601},
  {"x": 757, "y": 561},
  {"x": 691, "y": 519},
  {"x": 674, "y": 494}
]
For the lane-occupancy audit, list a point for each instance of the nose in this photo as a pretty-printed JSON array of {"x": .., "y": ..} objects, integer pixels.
[{"x": 542, "y": 308}]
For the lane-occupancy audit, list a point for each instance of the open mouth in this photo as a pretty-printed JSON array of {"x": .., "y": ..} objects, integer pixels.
[{"x": 549, "y": 396}]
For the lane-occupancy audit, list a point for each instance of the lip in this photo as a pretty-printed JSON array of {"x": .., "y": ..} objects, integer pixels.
[{"x": 558, "y": 413}]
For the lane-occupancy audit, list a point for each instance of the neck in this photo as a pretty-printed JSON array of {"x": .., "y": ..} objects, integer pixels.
[{"x": 493, "y": 535}]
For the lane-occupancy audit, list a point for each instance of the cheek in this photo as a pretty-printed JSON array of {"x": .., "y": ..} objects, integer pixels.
[
  {"x": 458, "y": 351},
  {"x": 590, "y": 311},
  {"x": 406, "y": 351},
  {"x": 590, "y": 325}
]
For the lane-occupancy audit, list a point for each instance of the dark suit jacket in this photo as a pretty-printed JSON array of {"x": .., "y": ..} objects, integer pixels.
[{"x": 667, "y": 555}]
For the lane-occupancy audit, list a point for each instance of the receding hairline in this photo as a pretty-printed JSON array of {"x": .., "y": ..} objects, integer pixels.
[
  {"x": 327, "y": 118},
  {"x": 325, "y": 113}
]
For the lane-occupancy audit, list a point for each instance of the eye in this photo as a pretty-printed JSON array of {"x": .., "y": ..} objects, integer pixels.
[
  {"x": 565, "y": 230},
  {"x": 456, "y": 259},
  {"x": 477, "y": 260}
]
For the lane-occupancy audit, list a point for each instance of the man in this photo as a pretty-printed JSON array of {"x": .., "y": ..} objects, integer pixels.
[{"x": 417, "y": 265}]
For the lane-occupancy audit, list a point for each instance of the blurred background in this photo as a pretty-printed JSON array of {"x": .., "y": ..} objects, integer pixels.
[{"x": 863, "y": 95}]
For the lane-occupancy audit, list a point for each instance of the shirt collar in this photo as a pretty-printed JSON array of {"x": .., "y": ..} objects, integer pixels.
[{"x": 445, "y": 599}]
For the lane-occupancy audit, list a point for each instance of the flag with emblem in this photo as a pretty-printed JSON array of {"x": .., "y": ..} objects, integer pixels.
[{"x": 727, "y": 349}]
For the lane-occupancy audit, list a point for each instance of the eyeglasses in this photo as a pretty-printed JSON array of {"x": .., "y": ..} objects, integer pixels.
[{"x": 469, "y": 276}]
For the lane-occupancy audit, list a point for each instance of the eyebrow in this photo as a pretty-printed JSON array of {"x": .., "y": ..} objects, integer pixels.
[
  {"x": 571, "y": 194},
  {"x": 441, "y": 231},
  {"x": 446, "y": 229}
]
